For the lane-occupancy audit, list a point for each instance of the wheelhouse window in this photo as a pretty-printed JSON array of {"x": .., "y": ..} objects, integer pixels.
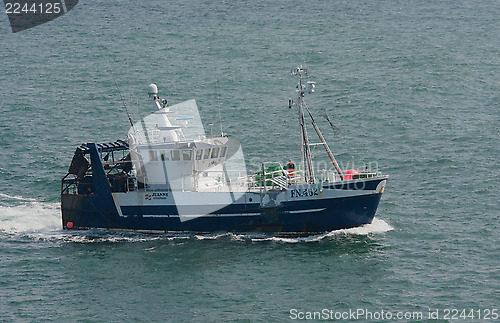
[
  {"x": 164, "y": 155},
  {"x": 223, "y": 152},
  {"x": 153, "y": 156},
  {"x": 199, "y": 154},
  {"x": 215, "y": 153},
  {"x": 176, "y": 155},
  {"x": 206, "y": 153},
  {"x": 187, "y": 154}
]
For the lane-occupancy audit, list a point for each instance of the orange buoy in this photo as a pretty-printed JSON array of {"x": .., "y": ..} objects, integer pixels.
[
  {"x": 349, "y": 173},
  {"x": 69, "y": 225}
]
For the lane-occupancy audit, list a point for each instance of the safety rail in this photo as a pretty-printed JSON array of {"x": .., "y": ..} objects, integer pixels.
[
  {"x": 69, "y": 185},
  {"x": 277, "y": 179},
  {"x": 295, "y": 177},
  {"x": 364, "y": 175},
  {"x": 84, "y": 186}
]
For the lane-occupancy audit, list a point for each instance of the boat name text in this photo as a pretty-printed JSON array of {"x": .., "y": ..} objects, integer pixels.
[
  {"x": 156, "y": 196},
  {"x": 304, "y": 192}
]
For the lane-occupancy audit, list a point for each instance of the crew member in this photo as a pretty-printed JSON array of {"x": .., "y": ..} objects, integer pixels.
[{"x": 291, "y": 170}]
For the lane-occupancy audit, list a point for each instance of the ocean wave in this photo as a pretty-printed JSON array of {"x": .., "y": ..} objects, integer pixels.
[{"x": 7, "y": 197}]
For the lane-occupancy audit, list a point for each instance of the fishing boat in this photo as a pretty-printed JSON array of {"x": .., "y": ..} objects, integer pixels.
[{"x": 169, "y": 175}]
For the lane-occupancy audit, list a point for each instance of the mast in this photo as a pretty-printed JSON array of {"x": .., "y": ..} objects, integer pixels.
[
  {"x": 304, "y": 140},
  {"x": 325, "y": 144}
]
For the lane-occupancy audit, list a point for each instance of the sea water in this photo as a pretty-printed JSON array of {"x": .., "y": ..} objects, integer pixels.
[{"x": 413, "y": 87}]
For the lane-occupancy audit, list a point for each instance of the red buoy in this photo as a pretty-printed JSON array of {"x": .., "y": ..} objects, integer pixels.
[
  {"x": 69, "y": 225},
  {"x": 349, "y": 173}
]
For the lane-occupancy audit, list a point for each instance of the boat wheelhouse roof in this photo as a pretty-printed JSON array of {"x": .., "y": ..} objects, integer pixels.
[
  {"x": 106, "y": 147},
  {"x": 183, "y": 144},
  {"x": 123, "y": 145}
]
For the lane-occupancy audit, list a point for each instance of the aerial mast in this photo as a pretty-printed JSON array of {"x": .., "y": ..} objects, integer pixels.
[{"x": 304, "y": 140}]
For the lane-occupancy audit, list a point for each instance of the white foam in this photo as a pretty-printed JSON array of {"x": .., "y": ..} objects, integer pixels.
[
  {"x": 376, "y": 227},
  {"x": 19, "y": 198},
  {"x": 27, "y": 215},
  {"x": 101, "y": 235},
  {"x": 211, "y": 236}
]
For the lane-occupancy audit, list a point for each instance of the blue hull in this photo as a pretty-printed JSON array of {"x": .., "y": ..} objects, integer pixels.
[{"x": 87, "y": 212}]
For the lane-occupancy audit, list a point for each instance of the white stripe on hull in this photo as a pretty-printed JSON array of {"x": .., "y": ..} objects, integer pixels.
[{"x": 307, "y": 211}]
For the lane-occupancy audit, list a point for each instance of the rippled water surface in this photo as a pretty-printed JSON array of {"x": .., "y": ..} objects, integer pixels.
[{"x": 413, "y": 86}]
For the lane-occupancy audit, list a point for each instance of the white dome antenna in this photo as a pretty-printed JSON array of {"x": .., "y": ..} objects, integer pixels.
[
  {"x": 310, "y": 87},
  {"x": 152, "y": 90}
]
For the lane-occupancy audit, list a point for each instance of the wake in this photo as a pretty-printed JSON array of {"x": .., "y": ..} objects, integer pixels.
[{"x": 27, "y": 215}]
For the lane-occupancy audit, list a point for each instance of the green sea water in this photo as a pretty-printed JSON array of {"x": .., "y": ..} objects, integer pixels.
[{"x": 413, "y": 86}]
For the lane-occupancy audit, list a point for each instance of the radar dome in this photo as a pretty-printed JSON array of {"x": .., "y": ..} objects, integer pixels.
[{"x": 152, "y": 90}]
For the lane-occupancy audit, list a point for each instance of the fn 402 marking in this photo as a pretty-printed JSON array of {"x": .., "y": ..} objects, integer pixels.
[{"x": 304, "y": 192}]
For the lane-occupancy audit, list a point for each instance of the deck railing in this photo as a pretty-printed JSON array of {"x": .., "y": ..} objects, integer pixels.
[
  {"x": 75, "y": 185},
  {"x": 218, "y": 181},
  {"x": 69, "y": 185}
]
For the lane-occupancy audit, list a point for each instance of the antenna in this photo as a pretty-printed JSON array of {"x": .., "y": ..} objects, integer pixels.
[
  {"x": 218, "y": 101},
  {"x": 114, "y": 79},
  {"x": 304, "y": 140},
  {"x": 211, "y": 129}
]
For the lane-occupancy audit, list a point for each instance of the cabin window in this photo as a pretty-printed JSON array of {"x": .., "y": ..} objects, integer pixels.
[
  {"x": 199, "y": 154},
  {"x": 206, "y": 154},
  {"x": 223, "y": 152},
  {"x": 153, "y": 156},
  {"x": 187, "y": 154},
  {"x": 164, "y": 155},
  {"x": 215, "y": 152},
  {"x": 176, "y": 155}
]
